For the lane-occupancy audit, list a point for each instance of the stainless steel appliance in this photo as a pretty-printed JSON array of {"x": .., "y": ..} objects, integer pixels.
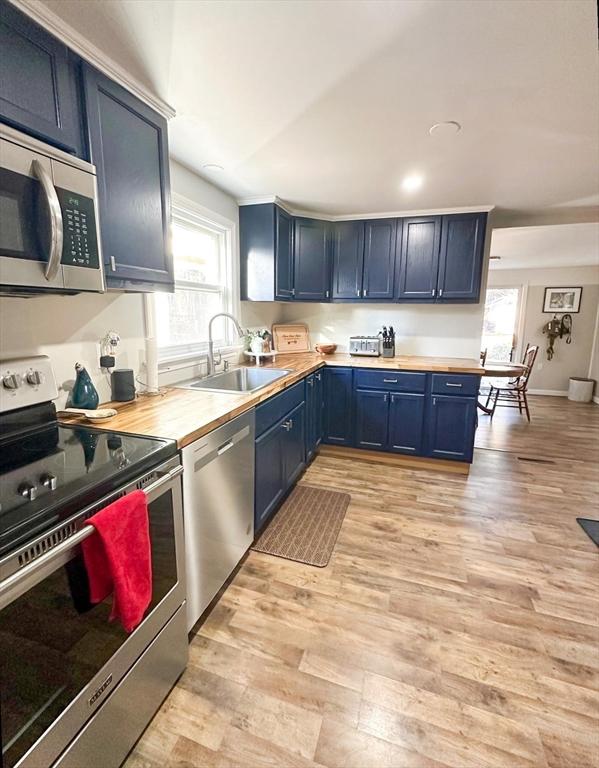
[
  {"x": 49, "y": 239},
  {"x": 77, "y": 689},
  {"x": 218, "y": 489},
  {"x": 368, "y": 346}
]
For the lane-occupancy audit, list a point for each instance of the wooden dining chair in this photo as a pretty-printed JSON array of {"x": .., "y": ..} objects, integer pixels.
[{"x": 513, "y": 394}]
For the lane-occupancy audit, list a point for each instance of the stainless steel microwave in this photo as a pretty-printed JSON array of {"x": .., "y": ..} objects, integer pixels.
[{"x": 49, "y": 230}]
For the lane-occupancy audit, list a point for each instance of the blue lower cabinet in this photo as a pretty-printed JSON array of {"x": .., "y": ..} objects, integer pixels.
[
  {"x": 371, "y": 419},
  {"x": 338, "y": 406},
  {"x": 269, "y": 485},
  {"x": 293, "y": 445},
  {"x": 451, "y": 425},
  {"x": 313, "y": 416},
  {"x": 406, "y": 423}
]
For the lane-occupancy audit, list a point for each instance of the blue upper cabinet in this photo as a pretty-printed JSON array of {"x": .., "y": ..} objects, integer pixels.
[
  {"x": 419, "y": 261},
  {"x": 380, "y": 237},
  {"x": 312, "y": 275},
  {"x": 129, "y": 145},
  {"x": 347, "y": 247},
  {"x": 461, "y": 257},
  {"x": 284, "y": 275},
  {"x": 39, "y": 83},
  {"x": 257, "y": 247}
]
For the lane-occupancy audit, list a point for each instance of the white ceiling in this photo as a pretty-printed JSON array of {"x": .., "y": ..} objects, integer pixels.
[
  {"x": 327, "y": 103},
  {"x": 565, "y": 245}
]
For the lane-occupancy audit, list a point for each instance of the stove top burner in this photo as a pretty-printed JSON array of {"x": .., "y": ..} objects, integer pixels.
[{"x": 49, "y": 473}]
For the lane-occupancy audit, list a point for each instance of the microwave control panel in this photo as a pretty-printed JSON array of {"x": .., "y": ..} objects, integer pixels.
[{"x": 80, "y": 239}]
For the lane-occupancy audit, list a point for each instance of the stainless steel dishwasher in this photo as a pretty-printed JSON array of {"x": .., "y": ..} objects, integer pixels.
[{"x": 218, "y": 500}]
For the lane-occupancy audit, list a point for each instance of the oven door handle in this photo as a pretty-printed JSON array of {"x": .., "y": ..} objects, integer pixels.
[
  {"x": 23, "y": 579},
  {"x": 56, "y": 233}
]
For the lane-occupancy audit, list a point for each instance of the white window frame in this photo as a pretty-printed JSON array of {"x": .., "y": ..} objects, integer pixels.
[{"x": 188, "y": 213}]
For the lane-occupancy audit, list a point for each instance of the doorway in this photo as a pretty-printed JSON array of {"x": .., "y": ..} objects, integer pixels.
[{"x": 500, "y": 324}]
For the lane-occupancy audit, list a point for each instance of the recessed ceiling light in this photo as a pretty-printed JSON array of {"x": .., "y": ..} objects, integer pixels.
[
  {"x": 446, "y": 128},
  {"x": 412, "y": 182},
  {"x": 213, "y": 167}
]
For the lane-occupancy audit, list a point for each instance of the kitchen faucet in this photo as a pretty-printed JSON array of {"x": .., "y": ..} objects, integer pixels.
[{"x": 238, "y": 328}]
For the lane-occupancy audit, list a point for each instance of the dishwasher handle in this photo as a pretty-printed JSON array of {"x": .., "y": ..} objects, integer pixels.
[{"x": 211, "y": 450}]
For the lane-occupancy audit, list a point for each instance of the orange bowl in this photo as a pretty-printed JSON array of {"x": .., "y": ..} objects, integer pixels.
[{"x": 325, "y": 349}]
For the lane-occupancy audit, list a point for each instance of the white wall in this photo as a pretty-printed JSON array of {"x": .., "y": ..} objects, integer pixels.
[
  {"x": 68, "y": 329},
  {"x": 421, "y": 329},
  {"x": 551, "y": 376}
]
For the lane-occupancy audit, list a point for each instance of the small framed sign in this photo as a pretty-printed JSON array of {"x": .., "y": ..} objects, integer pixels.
[
  {"x": 562, "y": 300},
  {"x": 291, "y": 338}
]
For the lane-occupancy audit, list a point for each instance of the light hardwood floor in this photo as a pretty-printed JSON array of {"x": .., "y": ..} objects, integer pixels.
[{"x": 456, "y": 625}]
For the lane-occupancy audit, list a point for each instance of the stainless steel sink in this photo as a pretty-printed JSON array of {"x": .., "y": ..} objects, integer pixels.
[{"x": 238, "y": 380}]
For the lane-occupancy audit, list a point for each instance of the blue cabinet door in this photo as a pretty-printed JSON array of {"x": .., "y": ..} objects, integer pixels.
[
  {"x": 451, "y": 427},
  {"x": 318, "y": 407},
  {"x": 129, "y": 146},
  {"x": 257, "y": 229},
  {"x": 293, "y": 445},
  {"x": 311, "y": 262},
  {"x": 406, "y": 423},
  {"x": 380, "y": 238},
  {"x": 371, "y": 416},
  {"x": 461, "y": 256},
  {"x": 283, "y": 254},
  {"x": 338, "y": 406},
  {"x": 419, "y": 259},
  {"x": 310, "y": 416},
  {"x": 347, "y": 246},
  {"x": 39, "y": 85},
  {"x": 269, "y": 486}
]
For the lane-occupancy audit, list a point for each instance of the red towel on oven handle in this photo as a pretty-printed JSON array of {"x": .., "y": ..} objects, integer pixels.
[{"x": 118, "y": 558}]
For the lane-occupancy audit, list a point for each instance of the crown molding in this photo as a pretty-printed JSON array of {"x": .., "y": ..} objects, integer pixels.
[
  {"x": 259, "y": 200},
  {"x": 88, "y": 51}
]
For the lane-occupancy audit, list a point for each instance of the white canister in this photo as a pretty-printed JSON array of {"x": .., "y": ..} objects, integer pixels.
[{"x": 581, "y": 390}]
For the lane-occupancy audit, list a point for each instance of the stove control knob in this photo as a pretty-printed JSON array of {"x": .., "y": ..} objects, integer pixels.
[
  {"x": 34, "y": 378},
  {"x": 11, "y": 381},
  {"x": 49, "y": 481},
  {"x": 28, "y": 490}
]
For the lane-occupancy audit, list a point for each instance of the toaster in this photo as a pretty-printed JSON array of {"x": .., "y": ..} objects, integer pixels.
[{"x": 369, "y": 346}]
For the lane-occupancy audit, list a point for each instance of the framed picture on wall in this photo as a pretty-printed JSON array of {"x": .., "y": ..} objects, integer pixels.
[{"x": 562, "y": 300}]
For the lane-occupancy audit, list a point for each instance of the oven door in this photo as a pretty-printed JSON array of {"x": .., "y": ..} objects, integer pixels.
[{"x": 59, "y": 662}]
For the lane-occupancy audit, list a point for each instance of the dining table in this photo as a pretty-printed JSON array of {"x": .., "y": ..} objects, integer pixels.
[{"x": 500, "y": 369}]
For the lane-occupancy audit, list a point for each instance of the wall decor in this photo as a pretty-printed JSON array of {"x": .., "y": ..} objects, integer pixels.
[{"x": 562, "y": 300}]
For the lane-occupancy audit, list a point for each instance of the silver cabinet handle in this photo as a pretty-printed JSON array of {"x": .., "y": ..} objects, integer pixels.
[
  {"x": 310, "y": 382},
  {"x": 56, "y": 233},
  {"x": 318, "y": 376},
  {"x": 385, "y": 398},
  {"x": 293, "y": 291},
  {"x": 286, "y": 425},
  {"x": 449, "y": 384},
  {"x": 113, "y": 263},
  {"x": 434, "y": 291},
  {"x": 364, "y": 292},
  {"x": 440, "y": 292},
  {"x": 326, "y": 293},
  {"x": 390, "y": 381},
  {"x": 357, "y": 292}
]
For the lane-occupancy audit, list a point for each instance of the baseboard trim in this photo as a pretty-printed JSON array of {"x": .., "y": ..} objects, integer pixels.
[
  {"x": 549, "y": 392},
  {"x": 396, "y": 459},
  {"x": 596, "y": 399}
]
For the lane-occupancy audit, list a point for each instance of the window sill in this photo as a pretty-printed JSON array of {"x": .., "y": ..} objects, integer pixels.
[{"x": 176, "y": 361}]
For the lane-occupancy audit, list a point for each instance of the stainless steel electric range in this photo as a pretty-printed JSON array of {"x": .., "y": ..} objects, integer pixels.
[{"x": 75, "y": 689}]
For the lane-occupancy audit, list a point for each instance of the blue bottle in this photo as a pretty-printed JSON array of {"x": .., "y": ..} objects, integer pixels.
[{"x": 83, "y": 394}]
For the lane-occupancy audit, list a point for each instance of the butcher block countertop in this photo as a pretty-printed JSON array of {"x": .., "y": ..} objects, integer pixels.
[{"x": 185, "y": 415}]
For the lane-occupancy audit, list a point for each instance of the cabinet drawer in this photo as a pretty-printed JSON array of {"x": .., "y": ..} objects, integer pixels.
[
  {"x": 455, "y": 384},
  {"x": 397, "y": 381},
  {"x": 270, "y": 411}
]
